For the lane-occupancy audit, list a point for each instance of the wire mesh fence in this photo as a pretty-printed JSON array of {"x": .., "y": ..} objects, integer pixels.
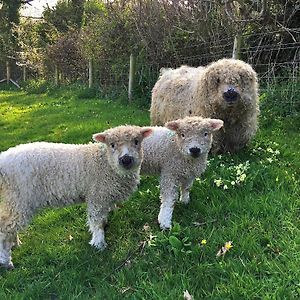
[
  {"x": 277, "y": 65},
  {"x": 275, "y": 58}
]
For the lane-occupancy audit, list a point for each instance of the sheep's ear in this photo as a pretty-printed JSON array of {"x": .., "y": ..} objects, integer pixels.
[
  {"x": 99, "y": 137},
  {"x": 146, "y": 132},
  {"x": 172, "y": 125},
  {"x": 215, "y": 124}
]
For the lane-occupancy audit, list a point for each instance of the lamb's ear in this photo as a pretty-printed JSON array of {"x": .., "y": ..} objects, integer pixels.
[
  {"x": 146, "y": 132},
  {"x": 215, "y": 124},
  {"x": 99, "y": 137},
  {"x": 172, "y": 125}
]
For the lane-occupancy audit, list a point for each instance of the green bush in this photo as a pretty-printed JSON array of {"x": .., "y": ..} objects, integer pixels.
[
  {"x": 7, "y": 87},
  {"x": 37, "y": 86},
  {"x": 88, "y": 93},
  {"x": 280, "y": 98}
]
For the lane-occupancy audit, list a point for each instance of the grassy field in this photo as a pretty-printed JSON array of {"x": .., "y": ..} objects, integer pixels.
[{"x": 251, "y": 199}]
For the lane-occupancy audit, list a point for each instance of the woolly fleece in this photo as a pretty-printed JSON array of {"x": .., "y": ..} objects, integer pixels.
[
  {"x": 36, "y": 175},
  {"x": 167, "y": 152},
  {"x": 188, "y": 91}
]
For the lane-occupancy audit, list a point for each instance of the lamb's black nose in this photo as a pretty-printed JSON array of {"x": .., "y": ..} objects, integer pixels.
[
  {"x": 195, "y": 151},
  {"x": 231, "y": 95},
  {"x": 126, "y": 161}
]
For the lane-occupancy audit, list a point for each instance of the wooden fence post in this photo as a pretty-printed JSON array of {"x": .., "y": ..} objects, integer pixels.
[
  {"x": 24, "y": 72},
  {"x": 131, "y": 77},
  {"x": 56, "y": 75},
  {"x": 90, "y": 73},
  {"x": 236, "y": 52},
  {"x": 8, "y": 72}
]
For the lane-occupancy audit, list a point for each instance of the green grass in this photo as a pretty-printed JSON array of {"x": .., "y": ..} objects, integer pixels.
[{"x": 251, "y": 199}]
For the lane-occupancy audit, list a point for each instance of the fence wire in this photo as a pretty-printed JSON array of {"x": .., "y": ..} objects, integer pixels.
[{"x": 276, "y": 60}]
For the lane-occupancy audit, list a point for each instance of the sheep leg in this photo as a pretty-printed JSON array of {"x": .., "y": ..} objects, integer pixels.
[
  {"x": 185, "y": 190},
  {"x": 98, "y": 237},
  {"x": 8, "y": 223},
  {"x": 5, "y": 251},
  {"x": 96, "y": 220},
  {"x": 168, "y": 194}
]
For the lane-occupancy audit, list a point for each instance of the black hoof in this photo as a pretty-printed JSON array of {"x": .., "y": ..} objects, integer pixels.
[{"x": 9, "y": 266}]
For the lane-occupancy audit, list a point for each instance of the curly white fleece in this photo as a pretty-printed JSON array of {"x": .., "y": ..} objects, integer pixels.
[
  {"x": 41, "y": 174},
  {"x": 188, "y": 91},
  {"x": 167, "y": 153}
]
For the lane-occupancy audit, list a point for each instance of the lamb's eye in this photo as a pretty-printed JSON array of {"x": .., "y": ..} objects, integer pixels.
[
  {"x": 218, "y": 80},
  {"x": 136, "y": 142},
  {"x": 205, "y": 133},
  {"x": 112, "y": 145},
  {"x": 182, "y": 135}
]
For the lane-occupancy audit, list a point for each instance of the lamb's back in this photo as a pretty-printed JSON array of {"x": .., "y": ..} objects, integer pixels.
[
  {"x": 157, "y": 149},
  {"x": 61, "y": 170}
]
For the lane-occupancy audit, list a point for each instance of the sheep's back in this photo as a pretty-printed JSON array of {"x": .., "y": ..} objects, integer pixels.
[{"x": 173, "y": 94}]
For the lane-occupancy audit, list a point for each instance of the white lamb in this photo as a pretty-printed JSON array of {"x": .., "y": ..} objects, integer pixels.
[
  {"x": 178, "y": 154},
  {"x": 36, "y": 175}
]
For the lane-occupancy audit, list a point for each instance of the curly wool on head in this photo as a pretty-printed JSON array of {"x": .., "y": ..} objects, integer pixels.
[
  {"x": 226, "y": 89},
  {"x": 123, "y": 132}
]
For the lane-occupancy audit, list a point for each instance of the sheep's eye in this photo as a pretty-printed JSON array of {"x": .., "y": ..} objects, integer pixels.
[
  {"x": 182, "y": 134},
  {"x": 136, "y": 142},
  {"x": 205, "y": 133},
  {"x": 218, "y": 80},
  {"x": 112, "y": 145}
]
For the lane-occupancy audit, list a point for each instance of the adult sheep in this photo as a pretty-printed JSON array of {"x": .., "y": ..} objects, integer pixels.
[
  {"x": 40, "y": 174},
  {"x": 226, "y": 89}
]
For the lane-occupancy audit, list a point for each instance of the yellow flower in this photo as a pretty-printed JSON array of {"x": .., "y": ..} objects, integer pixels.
[
  {"x": 228, "y": 245},
  {"x": 204, "y": 242}
]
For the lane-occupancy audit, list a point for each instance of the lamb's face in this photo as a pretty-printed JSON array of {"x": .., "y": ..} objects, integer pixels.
[
  {"x": 124, "y": 147},
  {"x": 231, "y": 83},
  {"x": 194, "y": 134}
]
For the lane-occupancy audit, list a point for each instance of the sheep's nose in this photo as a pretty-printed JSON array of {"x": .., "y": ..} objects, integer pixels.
[
  {"x": 126, "y": 161},
  {"x": 195, "y": 151},
  {"x": 230, "y": 95}
]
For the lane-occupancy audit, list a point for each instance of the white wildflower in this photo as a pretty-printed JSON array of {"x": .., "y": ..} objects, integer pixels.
[
  {"x": 242, "y": 177},
  {"x": 218, "y": 182}
]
